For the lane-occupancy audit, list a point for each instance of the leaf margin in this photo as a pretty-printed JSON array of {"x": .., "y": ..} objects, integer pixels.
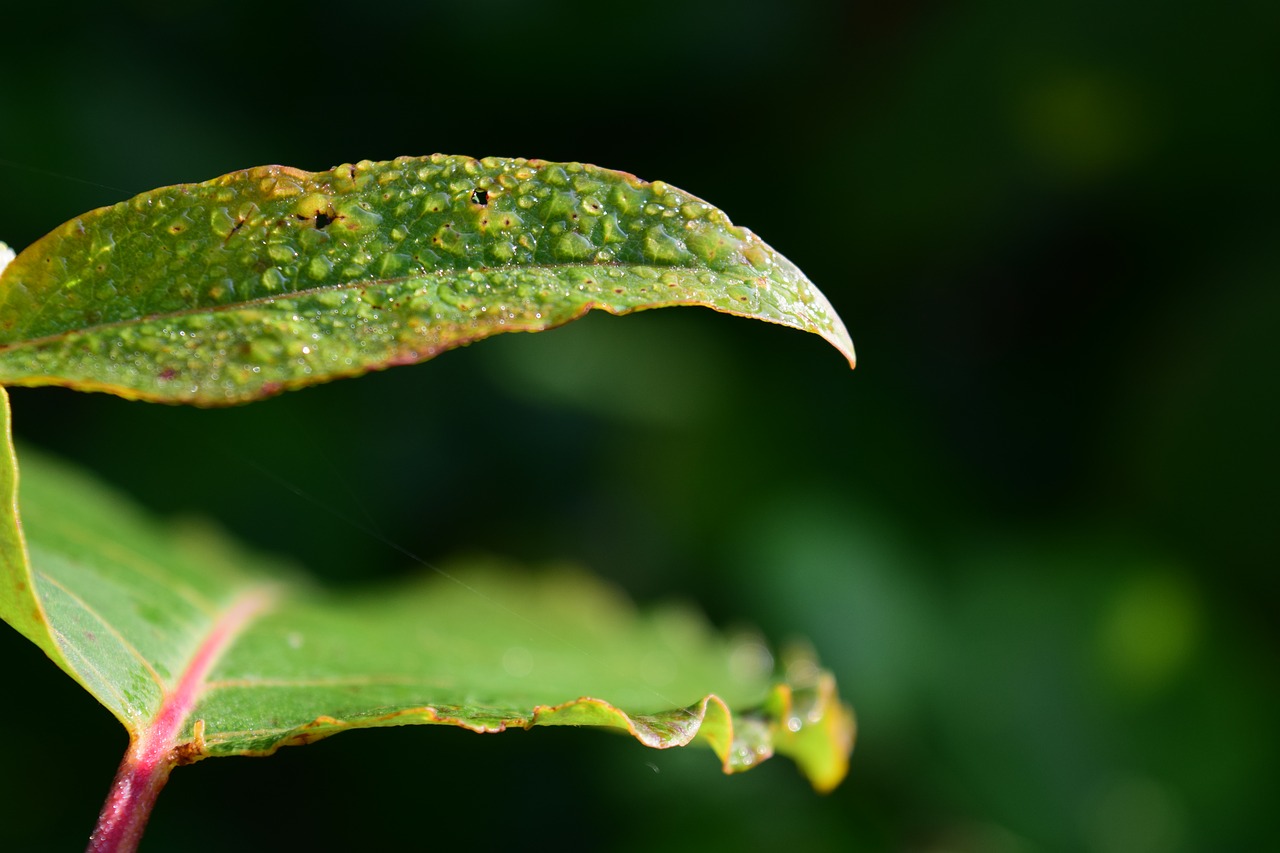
[{"x": 20, "y": 607}]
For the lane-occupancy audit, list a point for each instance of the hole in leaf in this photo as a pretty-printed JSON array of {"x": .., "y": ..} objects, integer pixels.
[
  {"x": 323, "y": 220},
  {"x": 480, "y": 197}
]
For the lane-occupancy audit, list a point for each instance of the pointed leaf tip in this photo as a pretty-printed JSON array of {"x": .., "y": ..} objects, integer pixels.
[{"x": 274, "y": 278}]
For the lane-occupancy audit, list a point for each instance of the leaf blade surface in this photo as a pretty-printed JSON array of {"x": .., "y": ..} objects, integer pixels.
[
  {"x": 201, "y": 649},
  {"x": 275, "y": 278}
]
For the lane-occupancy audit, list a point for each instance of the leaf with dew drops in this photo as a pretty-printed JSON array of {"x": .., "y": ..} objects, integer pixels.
[{"x": 274, "y": 278}]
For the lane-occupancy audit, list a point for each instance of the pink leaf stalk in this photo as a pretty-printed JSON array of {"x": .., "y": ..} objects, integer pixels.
[{"x": 154, "y": 750}]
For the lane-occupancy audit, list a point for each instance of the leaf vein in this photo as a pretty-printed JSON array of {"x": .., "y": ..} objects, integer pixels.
[
  {"x": 132, "y": 560},
  {"x": 110, "y": 629},
  {"x": 105, "y": 683},
  {"x": 258, "y": 301},
  {"x": 351, "y": 681}
]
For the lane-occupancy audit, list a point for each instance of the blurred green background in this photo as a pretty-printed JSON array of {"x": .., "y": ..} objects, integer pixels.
[{"x": 1029, "y": 533}]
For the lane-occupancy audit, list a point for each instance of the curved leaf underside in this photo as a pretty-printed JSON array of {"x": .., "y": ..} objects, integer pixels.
[
  {"x": 202, "y": 650},
  {"x": 274, "y": 278}
]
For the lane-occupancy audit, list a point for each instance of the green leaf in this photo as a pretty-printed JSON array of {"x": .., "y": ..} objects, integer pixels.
[
  {"x": 201, "y": 649},
  {"x": 274, "y": 278}
]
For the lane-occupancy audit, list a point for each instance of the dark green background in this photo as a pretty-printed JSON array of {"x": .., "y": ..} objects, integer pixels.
[{"x": 1033, "y": 534}]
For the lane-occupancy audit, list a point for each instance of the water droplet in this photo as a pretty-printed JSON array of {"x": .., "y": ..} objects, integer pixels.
[
  {"x": 272, "y": 280},
  {"x": 794, "y": 724},
  {"x": 392, "y": 263},
  {"x": 611, "y": 231},
  {"x": 222, "y": 222},
  {"x": 319, "y": 269},
  {"x": 560, "y": 205},
  {"x": 281, "y": 254},
  {"x": 693, "y": 210},
  {"x": 662, "y": 247},
  {"x": 574, "y": 247},
  {"x": 555, "y": 175},
  {"x": 356, "y": 217}
]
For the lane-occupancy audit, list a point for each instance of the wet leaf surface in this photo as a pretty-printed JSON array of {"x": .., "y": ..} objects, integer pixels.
[{"x": 273, "y": 278}]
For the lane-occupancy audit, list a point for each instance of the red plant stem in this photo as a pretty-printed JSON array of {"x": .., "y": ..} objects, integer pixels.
[
  {"x": 153, "y": 752},
  {"x": 124, "y": 816}
]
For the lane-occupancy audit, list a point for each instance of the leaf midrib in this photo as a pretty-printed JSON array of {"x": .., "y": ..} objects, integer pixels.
[
  {"x": 178, "y": 702},
  {"x": 311, "y": 291}
]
